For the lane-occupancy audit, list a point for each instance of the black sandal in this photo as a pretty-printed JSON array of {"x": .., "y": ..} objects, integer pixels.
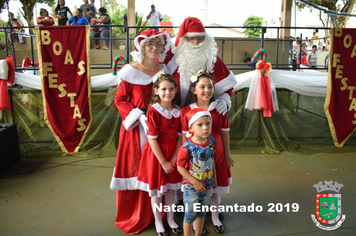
[
  {"x": 177, "y": 231},
  {"x": 219, "y": 229},
  {"x": 165, "y": 233},
  {"x": 204, "y": 233}
]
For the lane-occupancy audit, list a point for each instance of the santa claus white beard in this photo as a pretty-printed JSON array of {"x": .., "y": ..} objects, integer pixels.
[{"x": 192, "y": 58}]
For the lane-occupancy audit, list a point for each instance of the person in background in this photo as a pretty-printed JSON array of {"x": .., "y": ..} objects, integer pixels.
[
  {"x": 44, "y": 19},
  {"x": 248, "y": 62},
  {"x": 124, "y": 21},
  {"x": 78, "y": 19},
  {"x": 61, "y": 12},
  {"x": 294, "y": 57},
  {"x": 302, "y": 55},
  {"x": 14, "y": 22},
  {"x": 326, "y": 61},
  {"x": 313, "y": 57},
  {"x": 154, "y": 18},
  {"x": 92, "y": 8},
  {"x": 316, "y": 37},
  {"x": 104, "y": 30},
  {"x": 85, "y": 8}
]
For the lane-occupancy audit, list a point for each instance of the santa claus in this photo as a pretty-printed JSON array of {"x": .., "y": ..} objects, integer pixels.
[{"x": 196, "y": 50}]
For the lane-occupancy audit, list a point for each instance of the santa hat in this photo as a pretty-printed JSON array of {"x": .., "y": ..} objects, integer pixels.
[
  {"x": 193, "y": 115},
  {"x": 150, "y": 34},
  {"x": 190, "y": 27}
]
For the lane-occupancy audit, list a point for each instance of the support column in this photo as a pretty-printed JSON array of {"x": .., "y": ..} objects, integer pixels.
[
  {"x": 286, "y": 15},
  {"x": 131, "y": 17}
]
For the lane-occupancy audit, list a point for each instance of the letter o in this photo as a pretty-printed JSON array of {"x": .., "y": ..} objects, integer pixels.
[
  {"x": 259, "y": 208},
  {"x": 349, "y": 39},
  {"x": 59, "y": 51}
]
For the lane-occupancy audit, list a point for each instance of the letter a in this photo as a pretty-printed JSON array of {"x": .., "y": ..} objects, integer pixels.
[{"x": 68, "y": 58}]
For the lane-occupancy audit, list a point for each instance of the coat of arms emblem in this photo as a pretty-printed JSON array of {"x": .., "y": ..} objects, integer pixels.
[{"x": 328, "y": 206}]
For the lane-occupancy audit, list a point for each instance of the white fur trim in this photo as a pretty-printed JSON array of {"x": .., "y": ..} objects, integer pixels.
[
  {"x": 225, "y": 97},
  {"x": 158, "y": 192},
  {"x": 167, "y": 114},
  {"x": 197, "y": 115},
  {"x": 172, "y": 65},
  {"x": 223, "y": 189},
  {"x": 143, "y": 137},
  {"x": 192, "y": 34},
  {"x": 123, "y": 183},
  {"x": 211, "y": 106},
  {"x": 166, "y": 45},
  {"x": 225, "y": 84},
  {"x": 132, "y": 120},
  {"x": 225, "y": 129},
  {"x": 152, "y": 137},
  {"x": 133, "y": 76}
]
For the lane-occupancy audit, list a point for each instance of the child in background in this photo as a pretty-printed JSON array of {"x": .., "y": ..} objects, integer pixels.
[
  {"x": 196, "y": 165},
  {"x": 92, "y": 8},
  {"x": 61, "y": 12},
  {"x": 158, "y": 173},
  {"x": 201, "y": 96}
]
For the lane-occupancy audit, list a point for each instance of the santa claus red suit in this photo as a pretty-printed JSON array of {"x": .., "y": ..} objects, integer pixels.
[{"x": 186, "y": 58}]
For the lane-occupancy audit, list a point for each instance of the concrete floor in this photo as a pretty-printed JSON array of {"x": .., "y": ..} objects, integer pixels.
[{"x": 71, "y": 195}]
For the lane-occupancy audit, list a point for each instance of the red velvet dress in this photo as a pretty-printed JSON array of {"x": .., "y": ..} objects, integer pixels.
[
  {"x": 134, "y": 212},
  {"x": 164, "y": 126},
  {"x": 220, "y": 123}
]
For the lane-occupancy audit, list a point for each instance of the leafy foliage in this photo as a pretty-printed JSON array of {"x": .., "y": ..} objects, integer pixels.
[
  {"x": 117, "y": 17},
  {"x": 250, "y": 22},
  {"x": 344, "y": 6}
]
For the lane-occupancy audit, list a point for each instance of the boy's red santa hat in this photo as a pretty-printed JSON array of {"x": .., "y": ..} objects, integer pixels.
[
  {"x": 190, "y": 27},
  {"x": 150, "y": 34},
  {"x": 193, "y": 115}
]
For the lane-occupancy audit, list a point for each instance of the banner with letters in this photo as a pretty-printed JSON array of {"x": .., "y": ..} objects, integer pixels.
[
  {"x": 64, "y": 60},
  {"x": 340, "y": 101}
]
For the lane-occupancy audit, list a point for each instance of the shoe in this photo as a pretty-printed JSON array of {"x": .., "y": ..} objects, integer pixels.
[
  {"x": 204, "y": 233},
  {"x": 219, "y": 229},
  {"x": 165, "y": 233},
  {"x": 96, "y": 46},
  {"x": 106, "y": 48},
  {"x": 177, "y": 231}
]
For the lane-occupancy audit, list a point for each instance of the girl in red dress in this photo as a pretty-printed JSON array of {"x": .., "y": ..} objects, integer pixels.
[
  {"x": 201, "y": 96},
  {"x": 158, "y": 172},
  {"x": 134, "y": 212}
]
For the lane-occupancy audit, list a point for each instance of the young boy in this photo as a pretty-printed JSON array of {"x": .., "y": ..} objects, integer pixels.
[{"x": 195, "y": 163}]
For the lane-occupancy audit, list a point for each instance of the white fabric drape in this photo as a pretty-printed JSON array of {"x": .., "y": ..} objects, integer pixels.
[{"x": 307, "y": 82}]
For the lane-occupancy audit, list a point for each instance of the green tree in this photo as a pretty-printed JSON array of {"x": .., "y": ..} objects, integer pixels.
[
  {"x": 250, "y": 22},
  {"x": 117, "y": 16},
  {"x": 166, "y": 17},
  {"x": 3, "y": 4},
  {"x": 27, "y": 10},
  {"x": 345, "y": 6}
]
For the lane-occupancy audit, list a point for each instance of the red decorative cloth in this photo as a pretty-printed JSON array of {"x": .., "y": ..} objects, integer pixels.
[
  {"x": 4, "y": 94},
  {"x": 66, "y": 85}
]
